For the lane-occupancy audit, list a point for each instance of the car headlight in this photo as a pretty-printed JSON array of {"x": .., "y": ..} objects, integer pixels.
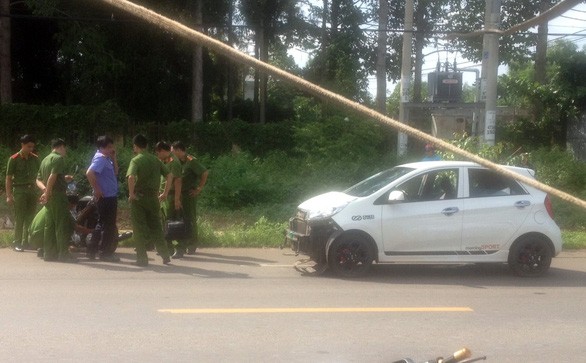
[{"x": 325, "y": 212}]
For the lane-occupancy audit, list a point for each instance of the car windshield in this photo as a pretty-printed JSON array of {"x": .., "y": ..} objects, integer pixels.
[{"x": 377, "y": 181}]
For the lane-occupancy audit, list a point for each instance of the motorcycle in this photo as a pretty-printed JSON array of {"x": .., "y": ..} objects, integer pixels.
[{"x": 85, "y": 213}]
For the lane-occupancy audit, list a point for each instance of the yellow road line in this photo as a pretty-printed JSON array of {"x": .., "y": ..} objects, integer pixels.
[{"x": 319, "y": 310}]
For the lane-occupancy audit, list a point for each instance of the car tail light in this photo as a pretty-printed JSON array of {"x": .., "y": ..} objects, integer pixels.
[{"x": 548, "y": 206}]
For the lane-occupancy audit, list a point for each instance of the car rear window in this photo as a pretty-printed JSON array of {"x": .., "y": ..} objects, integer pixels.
[{"x": 487, "y": 183}]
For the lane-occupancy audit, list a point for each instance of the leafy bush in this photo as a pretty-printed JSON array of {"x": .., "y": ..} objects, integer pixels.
[
  {"x": 338, "y": 139},
  {"x": 234, "y": 182},
  {"x": 559, "y": 169},
  {"x": 76, "y": 124},
  {"x": 501, "y": 153}
]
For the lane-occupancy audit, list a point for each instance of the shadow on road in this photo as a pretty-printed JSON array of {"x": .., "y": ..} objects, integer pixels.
[
  {"x": 128, "y": 266},
  {"x": 475, "y": 276},
  {"x": 234, "y": 260},
  {"x": 128, "y": 259}
]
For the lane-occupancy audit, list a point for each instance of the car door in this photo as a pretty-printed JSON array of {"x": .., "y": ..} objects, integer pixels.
[
  {"x": 429, "y": 220},
  {"x": 495, "y": 209}
]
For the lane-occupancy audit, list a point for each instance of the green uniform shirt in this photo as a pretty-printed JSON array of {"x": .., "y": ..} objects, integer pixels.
[
  {"x": 147, "y": 169},
  {"x": 174, "y": 167},
  {"x": 23, "y": 171},
  {"x": 192, "y": 172},
  {"x": 53, "y": 164}
]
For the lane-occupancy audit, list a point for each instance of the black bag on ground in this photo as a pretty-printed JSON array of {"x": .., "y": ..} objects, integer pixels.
[{"x": 176, "y": 229}]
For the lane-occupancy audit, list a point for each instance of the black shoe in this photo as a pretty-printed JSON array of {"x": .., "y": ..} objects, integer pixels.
[
  {"x": 109, "y": 258},
  {"x": 141, "y": 264},
  {"x": 123, "y": 236},
  {"x": 18, "y": 248},
  {"x": 166, "y": 260},
  {"x": 191, "y": 251},
  {"x": 177, "y": 255}
]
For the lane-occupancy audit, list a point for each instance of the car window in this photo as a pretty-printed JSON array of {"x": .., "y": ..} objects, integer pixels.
[
  {"x": 377, "y": 181},
  {"x": 434, "y": 185},
  {"x": 486, "y": 183}
]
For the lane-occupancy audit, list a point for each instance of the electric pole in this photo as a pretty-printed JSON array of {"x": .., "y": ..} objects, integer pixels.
[
  {"x": 405, "y": 75},
  {"x": 490, "y": 63}
]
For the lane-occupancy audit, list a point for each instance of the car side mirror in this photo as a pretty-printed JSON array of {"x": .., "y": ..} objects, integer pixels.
[{"x": 396, "y": 196}]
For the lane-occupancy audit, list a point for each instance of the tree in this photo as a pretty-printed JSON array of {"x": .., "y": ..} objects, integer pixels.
[
  {"x": 74, "y": 54},
  {"x": 562, "y": 97},
  {"x": 269, "y": 19},
  {"x": 468, "y": 15},
  {"x": 5, "y": 54},
  {"x": 381, "y": 69}
]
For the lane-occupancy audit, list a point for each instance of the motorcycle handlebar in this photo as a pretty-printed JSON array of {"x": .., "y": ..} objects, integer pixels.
[{"x": 458, "y": 356}]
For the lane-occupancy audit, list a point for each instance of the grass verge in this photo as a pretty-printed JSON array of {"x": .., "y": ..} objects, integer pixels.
[
  {"x": 258, "y": 227},
  {"x": 574, "y": 240}
]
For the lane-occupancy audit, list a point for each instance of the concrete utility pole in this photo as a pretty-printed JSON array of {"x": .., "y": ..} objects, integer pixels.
[
  {"x": 405, "y": 75},
  {"x": 490, "y": 63}
]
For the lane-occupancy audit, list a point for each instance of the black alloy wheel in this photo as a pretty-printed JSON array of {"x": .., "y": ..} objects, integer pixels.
[
  {"x": 530, "y": 256},
  {"x": 350, "y": 256}
]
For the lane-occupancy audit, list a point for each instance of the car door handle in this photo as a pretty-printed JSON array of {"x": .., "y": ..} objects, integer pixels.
[
  {"x": 522, "y": 204},
  {"x": 449, "y": 211}
]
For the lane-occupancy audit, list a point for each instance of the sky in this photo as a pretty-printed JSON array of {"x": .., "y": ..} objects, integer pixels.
[{"x": 571, "y": 22}]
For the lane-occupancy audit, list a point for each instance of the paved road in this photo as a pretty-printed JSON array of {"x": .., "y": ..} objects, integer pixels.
[{"x": 250, "y": 305}]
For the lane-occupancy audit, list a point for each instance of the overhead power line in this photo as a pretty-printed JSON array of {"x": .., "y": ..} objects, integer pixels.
[
  {"x": 571, "y": 18},
  {"x": 552, "y": 13}
]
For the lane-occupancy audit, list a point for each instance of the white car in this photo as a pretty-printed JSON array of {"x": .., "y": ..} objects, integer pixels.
[{"x": 429, "y": 212}]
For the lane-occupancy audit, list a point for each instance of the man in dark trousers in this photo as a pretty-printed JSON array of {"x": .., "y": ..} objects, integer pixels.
[
  {"x": 57, "y": 222},
  {"x": 144, "y": 178},
  {"x": 21, "y": 189},
  {"x": 171, "y": 207},
  {"x": 102, "y": 176},
  {"x": 193, "y": 179}
]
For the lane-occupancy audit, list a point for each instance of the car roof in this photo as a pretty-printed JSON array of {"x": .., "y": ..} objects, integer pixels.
[
  {"x": 439, "y": 163},
  {"x": 424, "y": 165}
]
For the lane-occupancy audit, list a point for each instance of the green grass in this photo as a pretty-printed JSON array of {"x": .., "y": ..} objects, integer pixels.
[
  {"x": 249, "y": 227},
  {"x": 259, "y": 227},
  {"x": 574, "y": 240}
]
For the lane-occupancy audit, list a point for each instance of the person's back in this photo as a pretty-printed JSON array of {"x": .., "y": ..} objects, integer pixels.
[
  {"x": 148, "y": 173},
  {"x": 54, "y": 164}
]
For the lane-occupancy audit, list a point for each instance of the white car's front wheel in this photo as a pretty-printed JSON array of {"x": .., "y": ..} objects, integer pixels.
[{"x": 350, "y": 255}]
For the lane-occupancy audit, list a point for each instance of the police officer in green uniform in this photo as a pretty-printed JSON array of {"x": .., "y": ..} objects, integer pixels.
[
  {"x": 144, "y": 173},
  {"x": 171, "y": 207},
  {"x": 37, "y": 231},
  {"x": 37, "y": 227},
  {"x": 58, "y": 219},
  {"x": 21, "y": 189},
  {"x": 194, "y": 177}
]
